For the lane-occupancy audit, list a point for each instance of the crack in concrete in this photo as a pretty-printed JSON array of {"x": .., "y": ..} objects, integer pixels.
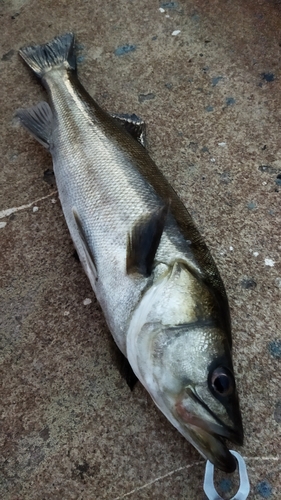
[
  {"x": 156, "y": 480},
  {"x": 9, "y": 211},
  {"x": 180, "y": 469}
]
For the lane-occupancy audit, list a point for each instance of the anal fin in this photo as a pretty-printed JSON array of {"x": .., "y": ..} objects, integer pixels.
[
  {"x": 38, "y": 121},
  {"x": 133, "y": 124},
  {"x": 144, "y": 240}
]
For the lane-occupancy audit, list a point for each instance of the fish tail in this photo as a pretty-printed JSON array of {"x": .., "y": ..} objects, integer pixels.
[{"x": 59, "y": 52}]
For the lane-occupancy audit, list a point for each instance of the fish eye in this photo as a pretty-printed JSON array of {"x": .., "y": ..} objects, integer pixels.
[{"x": 221, "y": 381}]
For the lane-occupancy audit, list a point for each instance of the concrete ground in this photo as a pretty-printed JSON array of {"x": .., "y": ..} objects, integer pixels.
[{"x": 205, "y": 76}]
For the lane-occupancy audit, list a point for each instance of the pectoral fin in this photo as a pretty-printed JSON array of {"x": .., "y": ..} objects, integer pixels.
[
  {"x": 88, "y": 254},
  {"x": 133, "y": 124},
  {"x": 143, "y": 242},
  {"x": 128, "y": 373}
]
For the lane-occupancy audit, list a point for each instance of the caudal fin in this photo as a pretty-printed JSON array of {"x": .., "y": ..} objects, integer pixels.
[{"x": 59, "y": 52}]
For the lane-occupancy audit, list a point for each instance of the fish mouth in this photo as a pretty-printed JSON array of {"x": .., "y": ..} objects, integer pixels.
[
  {"x": 213, "y": 447},
  {"x": 209, "y": 438}
]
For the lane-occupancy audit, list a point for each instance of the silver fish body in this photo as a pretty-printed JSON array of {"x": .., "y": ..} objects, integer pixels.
[{"x": 158, "y": 286}]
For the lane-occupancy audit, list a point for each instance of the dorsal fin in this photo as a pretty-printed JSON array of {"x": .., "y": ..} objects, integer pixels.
[
  {"x": 144, "y": 240},
  {"x": 133, "y": 124}
]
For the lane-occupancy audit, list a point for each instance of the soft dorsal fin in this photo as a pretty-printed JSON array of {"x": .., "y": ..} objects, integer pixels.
[
  {"x": 144, "y": 240},
  {"x": 133, "y": 124},
  {"x": 90, "y": 262},
  {"x": 38, "y": 121}
]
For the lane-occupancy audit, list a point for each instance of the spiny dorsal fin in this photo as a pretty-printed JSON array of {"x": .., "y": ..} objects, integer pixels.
[
  {"x": 144, "y": 240},
  {"x": 133, "y": 124},
  {"x": 38, "y": 121}
]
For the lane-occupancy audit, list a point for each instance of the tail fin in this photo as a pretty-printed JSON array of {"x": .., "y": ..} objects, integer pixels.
[{"x": 59, "y": 52}]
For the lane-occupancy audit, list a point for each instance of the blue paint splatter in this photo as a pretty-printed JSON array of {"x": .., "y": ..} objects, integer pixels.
[
  {"x": 251, "y": 205},
  {"x": 80, "y": 59},
  {"x": 169, "y": 5},
  {"x": 264, "y": 489},
  {"x": 209, "y": 109},
  {"x": 229, "y": 101},
  {"x": 146, "y": 97},
  {"x": 225, "y": 485},
  {"x": 154, "y": 37},
  {"x": 268, "y": 77},
  {"x": 274, "y": 348},
  {"x": 216, "y": 80},
  {"x": 124, "y": 49}
]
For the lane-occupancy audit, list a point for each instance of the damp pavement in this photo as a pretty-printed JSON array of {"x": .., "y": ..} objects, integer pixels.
[{"x": 206, "y": 78}]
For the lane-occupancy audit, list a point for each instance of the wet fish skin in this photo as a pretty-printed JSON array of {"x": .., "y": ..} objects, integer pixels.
[{"x": 158, "y": 286}]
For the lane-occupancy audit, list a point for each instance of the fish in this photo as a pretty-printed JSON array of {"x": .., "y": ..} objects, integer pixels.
[{"x": 159, "y": 288}]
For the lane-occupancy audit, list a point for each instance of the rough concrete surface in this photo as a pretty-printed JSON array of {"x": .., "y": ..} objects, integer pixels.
[{"x": 211, "y": 98}]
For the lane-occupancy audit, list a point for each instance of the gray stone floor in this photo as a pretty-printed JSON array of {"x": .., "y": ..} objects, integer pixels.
[{"x": 211, "y": 98}]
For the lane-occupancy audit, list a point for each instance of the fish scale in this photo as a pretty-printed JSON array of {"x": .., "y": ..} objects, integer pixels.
[{"x": 159, "y": 288}]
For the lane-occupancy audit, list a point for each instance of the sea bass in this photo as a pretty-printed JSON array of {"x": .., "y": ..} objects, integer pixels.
[{"x": 159, "y": 288}]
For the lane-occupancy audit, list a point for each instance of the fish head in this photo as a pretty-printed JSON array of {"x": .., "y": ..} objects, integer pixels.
[
  {"x": 205, "y": 402},
  {"x": 189, "y": 374}
]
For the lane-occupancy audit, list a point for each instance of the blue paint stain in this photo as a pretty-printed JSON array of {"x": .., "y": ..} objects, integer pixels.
[
  {"x": 195, "y": 17},
  {"x": 209, "y": 109},
  {"x": 124, "y": 49},
  {"x": 216, "y": 80},
  {"x": 251, "y": 205},
  {"x": 225, "y": 485},
  {"x": 274, "y": 348},
  {"x": 268, "y": 77},
  {"x": 80, "y": 59},
  {"x": 154, "y": 37},
  {"x": 169, "y": 5},
  {"x": 264, "y": 489},
  {"x": 229, "y": 101}
]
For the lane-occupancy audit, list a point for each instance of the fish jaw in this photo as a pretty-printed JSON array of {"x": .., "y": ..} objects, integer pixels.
[
  {"x": 212, "y": 447},
  {"x": 207, "y": 437}
]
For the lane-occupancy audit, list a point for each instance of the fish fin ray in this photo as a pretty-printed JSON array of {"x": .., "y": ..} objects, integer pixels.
[
  {"x": 58, "y": 52},
  {"x": 90, "y": 261},
  {"x": 38, "y": 121},
  {"x": 128, "y": 373},
  {"x": 133, "y": 124},
  {"x": 143, "y": 242}
]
